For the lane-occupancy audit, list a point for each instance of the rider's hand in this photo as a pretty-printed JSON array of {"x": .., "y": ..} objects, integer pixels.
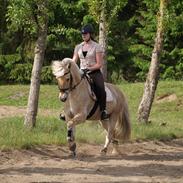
[{"x": 86, "y": 71}]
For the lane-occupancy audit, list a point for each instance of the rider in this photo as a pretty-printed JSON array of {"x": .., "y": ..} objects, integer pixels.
[{"x": 90, "y": 54}]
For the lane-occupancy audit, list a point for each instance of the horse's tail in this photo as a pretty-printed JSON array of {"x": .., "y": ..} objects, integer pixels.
[{"x": 123, "y": 125}]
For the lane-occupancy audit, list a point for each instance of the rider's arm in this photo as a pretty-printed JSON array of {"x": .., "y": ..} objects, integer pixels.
[{"x": 75, "y": 55}]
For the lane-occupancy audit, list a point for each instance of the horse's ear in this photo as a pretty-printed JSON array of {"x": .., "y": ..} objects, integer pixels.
[
  {"x": 67, "y": 62},
  {"x": 68, "y": 65}
]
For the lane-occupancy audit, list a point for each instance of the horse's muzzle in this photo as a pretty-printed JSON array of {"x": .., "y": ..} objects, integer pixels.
[{"x": 63, "y": 96}]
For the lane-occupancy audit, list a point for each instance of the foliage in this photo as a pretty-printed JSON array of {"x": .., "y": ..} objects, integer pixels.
[
  {"x": 143, "y": 39},
  {"x": 173, "y": 47},
  {"x": 131, "y": 27}
]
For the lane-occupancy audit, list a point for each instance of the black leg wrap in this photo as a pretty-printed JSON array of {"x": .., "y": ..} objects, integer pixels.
[{"x": 69, "y": 133}]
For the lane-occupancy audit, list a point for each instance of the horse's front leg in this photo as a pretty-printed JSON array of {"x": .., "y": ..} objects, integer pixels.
[
  {"x": 71, "y": 131},
  {"x": 71, "y": 140},
  {"x": 78, "y": 118}
]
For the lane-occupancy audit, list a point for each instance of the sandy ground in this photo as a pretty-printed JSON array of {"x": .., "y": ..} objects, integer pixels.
[
  {"x": 150, "y": 161},
  {"x": 9, "y": 111},
  {"x": 155, "y": 162}
]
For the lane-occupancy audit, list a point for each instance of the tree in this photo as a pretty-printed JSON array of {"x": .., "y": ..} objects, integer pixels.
[
  {"x": 42, "y": 25},
  {"x": 104, "y": 15},
  {"x": 33, "y": 15},
  {"x": 152, "y": 77},
  {"x": 103, "y": 36}
]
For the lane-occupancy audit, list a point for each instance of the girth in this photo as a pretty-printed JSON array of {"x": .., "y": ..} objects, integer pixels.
[{"x": 93, "y": 109}]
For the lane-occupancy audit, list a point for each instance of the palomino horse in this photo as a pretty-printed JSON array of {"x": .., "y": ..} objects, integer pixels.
[{"x": 74, "y": 91}]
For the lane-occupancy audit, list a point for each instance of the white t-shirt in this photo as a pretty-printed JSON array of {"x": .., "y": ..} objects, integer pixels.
[{"x": 90, "y": 58}]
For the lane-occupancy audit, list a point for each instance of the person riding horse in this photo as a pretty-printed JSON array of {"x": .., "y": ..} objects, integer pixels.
[
  {"x": 79, "y": 104},
  {"x": 90, "y": 54}
]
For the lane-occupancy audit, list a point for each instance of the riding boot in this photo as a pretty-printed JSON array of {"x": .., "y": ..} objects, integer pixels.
[
  {"x": 62, "y": 116},
  {"x": 104, "y": 115}
]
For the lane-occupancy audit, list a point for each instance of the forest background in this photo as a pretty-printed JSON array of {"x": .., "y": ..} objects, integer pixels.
[{"x": 130, "y": 37}]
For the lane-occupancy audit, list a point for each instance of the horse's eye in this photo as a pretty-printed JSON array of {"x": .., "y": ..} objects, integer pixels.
[{"x": 68, "y": 79}]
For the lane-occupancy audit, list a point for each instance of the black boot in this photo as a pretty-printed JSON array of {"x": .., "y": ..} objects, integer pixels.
[
  {"x": 62, "y": 116},
  {"x": 104, "y": 115}
]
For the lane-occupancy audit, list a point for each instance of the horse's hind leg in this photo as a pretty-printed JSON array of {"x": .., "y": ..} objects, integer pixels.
[{"x": 109, "y": 126}]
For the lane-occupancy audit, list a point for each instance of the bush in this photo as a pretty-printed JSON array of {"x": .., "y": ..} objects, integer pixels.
[
  {"x": 21, "y": 73},
  {"x": 46, "y": 75}
]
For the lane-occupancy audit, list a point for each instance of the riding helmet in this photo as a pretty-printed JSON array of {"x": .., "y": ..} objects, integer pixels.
[{"x": 87, "y": 29}]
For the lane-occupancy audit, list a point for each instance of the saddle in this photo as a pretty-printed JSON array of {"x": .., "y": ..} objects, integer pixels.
[
  {"x": 93, "y": 95},
  {"x": 91, "y": 87},
  {"x": 92, "y": 91}
]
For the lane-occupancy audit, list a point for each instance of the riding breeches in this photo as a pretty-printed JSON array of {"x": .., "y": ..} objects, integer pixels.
[{"x": 99, "y": 88}]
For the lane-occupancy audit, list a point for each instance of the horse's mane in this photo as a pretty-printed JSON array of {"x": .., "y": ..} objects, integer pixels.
[{"x": 60, "y": 67}]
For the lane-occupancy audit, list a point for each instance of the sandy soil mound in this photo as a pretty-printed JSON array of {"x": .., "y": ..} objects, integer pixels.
[{"x": 166, "y": 98}]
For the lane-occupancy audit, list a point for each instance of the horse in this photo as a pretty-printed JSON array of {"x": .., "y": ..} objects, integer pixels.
[{"x": 78, "y": 103}]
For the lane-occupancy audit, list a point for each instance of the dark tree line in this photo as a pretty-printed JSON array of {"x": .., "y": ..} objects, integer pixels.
[{"x": 131, "y": 29}]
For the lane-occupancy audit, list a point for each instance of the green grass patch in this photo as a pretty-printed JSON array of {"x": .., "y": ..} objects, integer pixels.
[
  {"x": 17, "y": 95},
  {"x": 166, "y": 117},
  {"x": 13, "y": 134}
]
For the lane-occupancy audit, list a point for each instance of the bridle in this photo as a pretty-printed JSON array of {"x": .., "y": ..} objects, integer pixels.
[{"x": 71, "y": 87}]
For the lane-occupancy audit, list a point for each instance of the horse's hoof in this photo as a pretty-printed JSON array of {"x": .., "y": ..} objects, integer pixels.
[
  {"x": 104, "y": 151},
  {"x": 72, "y": 154},
  {"x": 115, "y": 152},
  {"x": 72, "y": 147}
]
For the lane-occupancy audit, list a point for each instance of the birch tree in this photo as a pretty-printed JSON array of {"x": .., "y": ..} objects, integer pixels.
[
  {"x": 42, "y": 26},
  {"x": 153, "y": 74},
  {"x": 103, "y": 36},
  {"x": 33, "y": 16},
  {"x": 104, "y": 12}
]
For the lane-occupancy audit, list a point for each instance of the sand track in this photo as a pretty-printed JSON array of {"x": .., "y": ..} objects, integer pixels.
[
  {"x": 139, "y": 162},
  {"x": 150, "y": 161}
]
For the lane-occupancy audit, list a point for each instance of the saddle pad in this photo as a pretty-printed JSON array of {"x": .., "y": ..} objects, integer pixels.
[{"x": 109, "y": 96}]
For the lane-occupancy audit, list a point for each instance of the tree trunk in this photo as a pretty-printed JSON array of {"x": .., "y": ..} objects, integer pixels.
[
  {"x": 153, "y": 74},
  {"x": 32, "y": 106},
  {"x": 103, "y": 38}
]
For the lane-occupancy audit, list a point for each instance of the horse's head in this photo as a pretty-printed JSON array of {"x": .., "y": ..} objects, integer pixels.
[{"x": 67, "y": 74}]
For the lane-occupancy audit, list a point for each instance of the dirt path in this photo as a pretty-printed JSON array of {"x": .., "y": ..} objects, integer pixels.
[
  {"x": 9, "y": 111},
  {"x": 152, "y": 162}
]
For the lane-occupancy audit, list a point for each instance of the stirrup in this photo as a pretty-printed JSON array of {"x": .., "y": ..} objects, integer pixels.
[{"x": 105, "y": 115}]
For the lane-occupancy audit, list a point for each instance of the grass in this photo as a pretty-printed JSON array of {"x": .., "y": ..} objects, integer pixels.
[
  {"x": 166, "y": 118},
  {"x": 14, "y": 135}
]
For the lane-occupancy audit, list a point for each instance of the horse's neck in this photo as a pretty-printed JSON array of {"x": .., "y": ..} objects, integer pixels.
[
  {"x": 80, "y": 90},
  {"x": 80, "y": 94},
  {"x": 75, "y": 73}
]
